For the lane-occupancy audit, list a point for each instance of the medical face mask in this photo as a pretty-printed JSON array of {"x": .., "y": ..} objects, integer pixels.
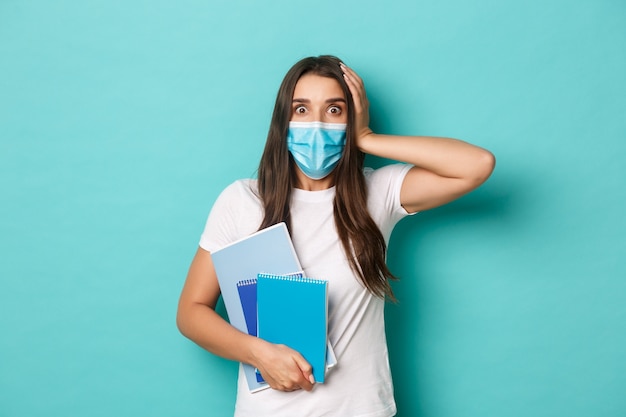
[{"x": 316, "y": 147}]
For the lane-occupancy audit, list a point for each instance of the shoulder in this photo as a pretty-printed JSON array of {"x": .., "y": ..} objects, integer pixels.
[
  {"x": 386, "y": 176},
  {"x": 245, "y": 185},
  {"x": 237, "y": 212},
  {"x": 238, "y": 200},
  {"x": 243, "y": 189}
]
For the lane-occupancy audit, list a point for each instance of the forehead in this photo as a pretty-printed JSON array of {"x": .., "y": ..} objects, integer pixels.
[{"x": 312, "y": 86}]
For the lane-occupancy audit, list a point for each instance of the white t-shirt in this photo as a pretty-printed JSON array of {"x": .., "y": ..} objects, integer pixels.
[{"x": 360, "y": 384}]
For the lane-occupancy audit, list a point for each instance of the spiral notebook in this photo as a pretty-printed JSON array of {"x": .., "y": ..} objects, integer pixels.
[
  {"x": 294, "y": 311},
  {"x": 248, "y": 296},
  {"x": 247, "y": 289}
]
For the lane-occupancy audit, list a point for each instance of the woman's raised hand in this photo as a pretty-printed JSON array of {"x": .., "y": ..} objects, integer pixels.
[{"x": 361, "y": 104}]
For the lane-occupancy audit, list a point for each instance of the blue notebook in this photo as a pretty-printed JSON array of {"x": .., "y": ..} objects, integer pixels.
[
  {"x": 269, "y": 250},
  {"x": 294, "y": 312},
  {"x": 248, "y": 297}
]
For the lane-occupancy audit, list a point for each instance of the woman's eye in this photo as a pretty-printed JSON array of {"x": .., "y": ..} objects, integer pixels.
[
  {"x": 335, "y": 110},
  {"x": 300, "y": 110}
]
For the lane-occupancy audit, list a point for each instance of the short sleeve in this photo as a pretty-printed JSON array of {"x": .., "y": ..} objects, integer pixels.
[
  {"x": 384, "y": 185},
  {"x": 236, "y": 213}
]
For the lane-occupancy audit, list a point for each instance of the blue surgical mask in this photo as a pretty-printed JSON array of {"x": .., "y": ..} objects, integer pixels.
[{"x": 316, "y": 147}]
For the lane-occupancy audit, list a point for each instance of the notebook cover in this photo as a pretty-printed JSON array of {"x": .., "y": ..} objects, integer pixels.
[
  {"x": 293, "y": 312},
  {"x": 247, "y": 296}
]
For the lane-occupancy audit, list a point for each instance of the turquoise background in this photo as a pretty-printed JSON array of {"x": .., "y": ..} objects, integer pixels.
[{"x": 121, "y": 121}]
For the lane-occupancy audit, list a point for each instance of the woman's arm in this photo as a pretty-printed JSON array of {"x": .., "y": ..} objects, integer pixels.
[
  {"x": 444, "y": 169},
  {"x": 282, "y": 368}
]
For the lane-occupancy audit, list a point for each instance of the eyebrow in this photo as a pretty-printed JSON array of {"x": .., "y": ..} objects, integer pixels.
[{"x": 330, "y": 100}]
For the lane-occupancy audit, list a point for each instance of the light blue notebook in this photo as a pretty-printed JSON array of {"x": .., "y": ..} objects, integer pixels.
[
  {"x": 269, "y": 250},
  {"x": 294, "y": 312}
]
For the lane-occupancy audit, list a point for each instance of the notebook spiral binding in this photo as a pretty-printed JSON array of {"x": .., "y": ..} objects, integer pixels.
[
  {"x": 292, "y": 277},
  {"x": 246, "y": 282}
]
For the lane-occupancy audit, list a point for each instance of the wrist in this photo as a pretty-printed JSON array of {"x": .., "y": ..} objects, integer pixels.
[
  {"x": 255, "y": 351},
  {"x": 365, "y": 140}
]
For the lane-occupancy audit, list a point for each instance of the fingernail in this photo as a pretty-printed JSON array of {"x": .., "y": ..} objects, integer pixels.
[{"x": 312, "y": 379}]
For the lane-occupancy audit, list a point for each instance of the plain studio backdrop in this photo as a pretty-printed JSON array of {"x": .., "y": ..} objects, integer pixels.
[{"x": 121, "y": 121}]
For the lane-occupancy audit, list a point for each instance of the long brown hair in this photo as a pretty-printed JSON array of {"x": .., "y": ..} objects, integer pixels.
[{"x": 362, "y": 241}]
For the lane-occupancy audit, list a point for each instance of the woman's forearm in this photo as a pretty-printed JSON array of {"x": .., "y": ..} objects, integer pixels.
[
  {"x": 445, "y": 157},
  {"x": 283, "y": 368},
  {"x": 208, "y": 329}
]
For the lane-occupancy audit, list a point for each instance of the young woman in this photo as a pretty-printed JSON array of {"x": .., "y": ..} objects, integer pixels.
[{"x": 340, "y": 217}]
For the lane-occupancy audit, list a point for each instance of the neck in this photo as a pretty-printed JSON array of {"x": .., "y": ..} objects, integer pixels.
[{"x": 305, "y": 183}]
